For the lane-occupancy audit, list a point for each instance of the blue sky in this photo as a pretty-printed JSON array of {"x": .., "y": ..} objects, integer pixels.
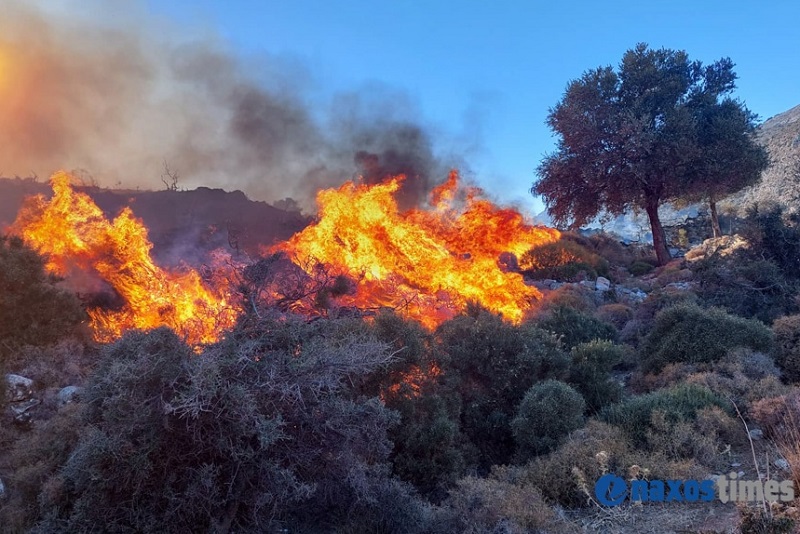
[{"x": 483, "y": 74}]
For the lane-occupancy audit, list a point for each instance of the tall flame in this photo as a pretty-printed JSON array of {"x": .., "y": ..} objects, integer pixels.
[
  {"x": 427, "y": 262},
  {"x": 73, "y": 232}
]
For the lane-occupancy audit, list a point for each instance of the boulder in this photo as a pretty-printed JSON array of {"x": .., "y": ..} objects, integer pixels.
[
  {"x": 602, "y": 284},
  {"x": 781, "y": 464},
  {"x": 68, "y": 395},
  {"x": 18, "y": 388},
  {"x": 2, "y": 490}
]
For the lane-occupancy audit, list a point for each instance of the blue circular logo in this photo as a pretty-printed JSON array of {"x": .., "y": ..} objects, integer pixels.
[{"x": 611, "y": 490}]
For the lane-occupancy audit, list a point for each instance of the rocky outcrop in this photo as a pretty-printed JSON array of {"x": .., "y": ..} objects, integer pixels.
[{"x": 19, "y": 395}]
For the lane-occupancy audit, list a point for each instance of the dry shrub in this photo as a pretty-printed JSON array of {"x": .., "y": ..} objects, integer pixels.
[
  {"x": 615, "y": 314},
  {"x": 780, "y": 419},
  {"x": 497, "y": 504},
  {"x": 592, "y": 451},
  {"x": 570, "y": 296}
]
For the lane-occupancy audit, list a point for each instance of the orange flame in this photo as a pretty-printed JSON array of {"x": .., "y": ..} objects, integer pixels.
[
  {"x": 429, "y": 263},
  {"x": 73, "y": 232}
]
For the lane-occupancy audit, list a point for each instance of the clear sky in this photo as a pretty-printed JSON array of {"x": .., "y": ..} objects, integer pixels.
[{"x": 485, "y": 73}]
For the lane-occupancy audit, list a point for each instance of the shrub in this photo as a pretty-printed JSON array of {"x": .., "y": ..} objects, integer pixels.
[
  {"x": 263, "y": 427},
  {"x": 681, "y": 403},
  {"x": 549, "y": 411},
  {"x": 688, "y": 333},
  {"x": 575, "y": 327},
  {"x": 774, "y": 237},
  {"x": 33, "y": 309},
  {"x": 787, "y": 341},
  {"x": 589, "y": 373},
  {"x": 490, "y": 365},
  {"x": 567, "y": 475},
  {"x": 496, "y": 504},
  {"x": 615, "y": 314},
  {"x": 562, "y": 260},
  {"x": 639, "y": 268},
  {"x": 746, "y": 286}
]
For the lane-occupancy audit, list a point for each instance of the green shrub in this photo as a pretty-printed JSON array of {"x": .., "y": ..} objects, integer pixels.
[
  {"x": 575, "y": 327},
  {"x": 489, "y": 365},
  {"x": 787, "y": 341},
  {"x": 259, "y": 431},
  {"x": 562, "y": 260},
  {"x": 746, "y": 286},
  {"x": 33, "y": 309},
  {"x": 681, "y": 403},
  {"x": 639, "y": 268},
  {"x": 549, "y": 411},
  {"x": 589, "y": 373},
  {"x": 688, "y": 333}
]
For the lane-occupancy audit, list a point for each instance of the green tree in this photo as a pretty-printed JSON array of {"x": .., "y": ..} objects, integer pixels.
[
  {"x": 729, "y": 159},
  {"x": 631, "y": 138}
]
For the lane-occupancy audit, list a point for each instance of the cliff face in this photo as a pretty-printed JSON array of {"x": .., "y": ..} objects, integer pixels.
[{"x": 183, "y": 225}]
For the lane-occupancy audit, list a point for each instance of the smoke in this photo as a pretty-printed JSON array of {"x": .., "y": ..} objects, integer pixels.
[{"x": 119, "y": 102}]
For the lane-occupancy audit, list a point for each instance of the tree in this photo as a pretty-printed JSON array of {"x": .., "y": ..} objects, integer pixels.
[
  {"x": 630, "y": 138},
  {"x": 729, "y": 157}
]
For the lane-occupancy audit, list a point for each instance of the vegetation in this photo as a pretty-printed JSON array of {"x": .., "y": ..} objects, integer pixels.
[
  {"x": 688, "y": 333},
  {"x": 659, "y": 127},
  {"x": 549, "y": 411}
]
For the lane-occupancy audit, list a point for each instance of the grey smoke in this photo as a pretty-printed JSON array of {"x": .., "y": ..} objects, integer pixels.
[{"x": 87, "y": 93}]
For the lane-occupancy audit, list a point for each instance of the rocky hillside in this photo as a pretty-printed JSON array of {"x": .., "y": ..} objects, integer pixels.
[
  {"x": 182, "y": 225},
  {"x": 781, "y": 181}
]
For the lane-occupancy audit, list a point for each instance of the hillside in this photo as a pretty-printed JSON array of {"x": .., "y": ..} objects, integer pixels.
[
  {"x": 781, "y": 181},
  {"x": 182, "y": 224}
]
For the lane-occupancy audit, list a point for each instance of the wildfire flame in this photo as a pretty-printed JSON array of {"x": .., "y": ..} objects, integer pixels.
[
  {"x": 74, "y": 234},
  {"x": 429, "y": 263}
]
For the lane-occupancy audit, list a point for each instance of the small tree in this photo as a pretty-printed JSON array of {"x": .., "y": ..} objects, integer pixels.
[
  {"x": 630, "y": 138},
  {"x": 729, "y": 158}
]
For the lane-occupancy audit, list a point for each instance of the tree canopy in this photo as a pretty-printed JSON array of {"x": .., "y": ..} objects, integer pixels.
[{"x": 658, "y": 128}]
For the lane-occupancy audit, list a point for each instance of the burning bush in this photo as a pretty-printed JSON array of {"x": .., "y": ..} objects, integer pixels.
[{"x": 562, "y": 260}]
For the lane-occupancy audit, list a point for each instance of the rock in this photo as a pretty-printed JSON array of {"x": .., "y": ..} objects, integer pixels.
[
  {"x": 21, "y": 410},
  {"x": 18, "y": 388},
  {"x": 587, "y": 284},
  {"x": 756, "y": 434},
  {"x": 68, "y": 395},
  {"x": 634, "y": 296},
  {"x": 723, "y": 246},
  {"x": 602, "y": 284},
  {"x": 781, "y": 464},
  {"x": 678, "y": 286},
  {"x": 2, "y": 490}
]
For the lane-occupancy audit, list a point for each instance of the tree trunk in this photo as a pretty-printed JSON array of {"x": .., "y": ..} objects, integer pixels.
[
  {"x": 659, "y": 236},
  {"x": 715, "y": 227}
]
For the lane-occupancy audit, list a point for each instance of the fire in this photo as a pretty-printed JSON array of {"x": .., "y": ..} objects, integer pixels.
[
  {"x": 74, "y": 234},
  {"x": 428, "y": 263}
]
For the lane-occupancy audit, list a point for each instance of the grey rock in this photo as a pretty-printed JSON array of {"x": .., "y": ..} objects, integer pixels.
[
  {"x": 602, "y": 284},
  {"x": 68, "y": 395},
  {"x": 18, "y": 388},
  {"x": 21, "y": 410},
  {"x": 781, "y": 464},
  {"x": 756, "y": 434},
  {"x": 678, "y": 286},
  {"x": 2, "y": 490}
]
